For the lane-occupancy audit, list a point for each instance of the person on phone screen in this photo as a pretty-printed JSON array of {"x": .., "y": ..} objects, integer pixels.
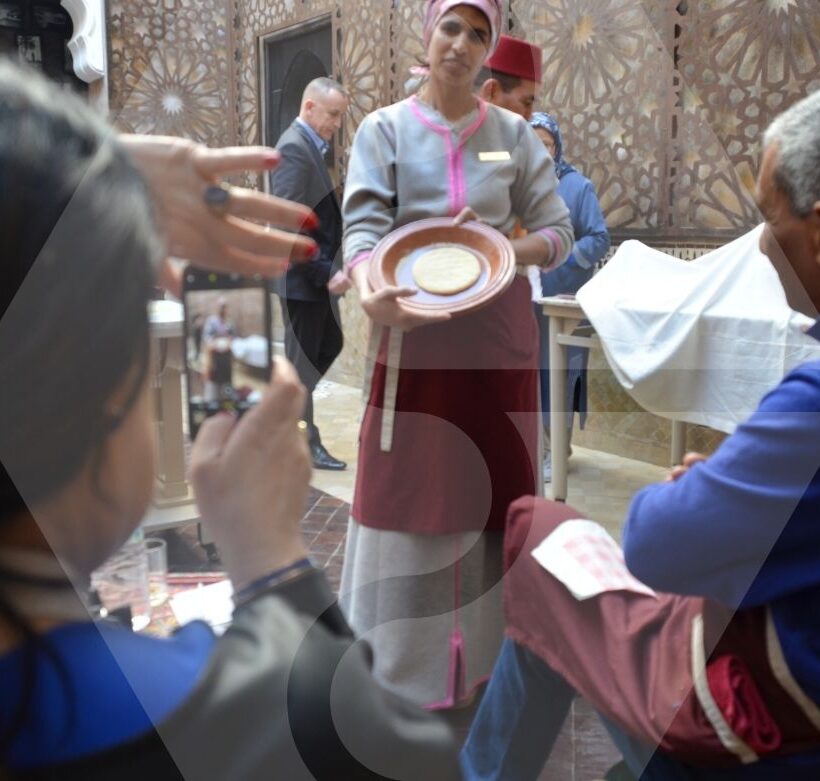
[{"x": 217, "y": 337}]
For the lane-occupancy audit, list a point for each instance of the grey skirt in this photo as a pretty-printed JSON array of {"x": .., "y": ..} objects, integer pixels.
[{"x": 430, "y": 606}]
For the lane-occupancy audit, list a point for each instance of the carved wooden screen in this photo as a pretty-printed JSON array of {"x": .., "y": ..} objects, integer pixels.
[
  {"x": 170, "y": 68},
  {"x": 360, "y": 46},
  {"x": 606, "y": 70},
  {"x": 406, "y": 46},
  {"x": 362, "y": 51},
  {"x": 740, "y": 64},
  {"x": 662, "y": 102}
]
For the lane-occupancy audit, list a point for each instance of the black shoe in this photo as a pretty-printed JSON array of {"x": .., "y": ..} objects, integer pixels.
[{"x": 323, "y": 460}]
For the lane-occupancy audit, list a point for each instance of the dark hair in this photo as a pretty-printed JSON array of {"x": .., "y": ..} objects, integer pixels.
[
  {"x": 508, "y": 83},
  {"x": 78, "y": 243}
]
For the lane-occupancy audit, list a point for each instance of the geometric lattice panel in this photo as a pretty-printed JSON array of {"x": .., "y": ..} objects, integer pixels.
[
  {"x": 662, "y": 102},
  {"x": 607, "y": 67},
  {"x": 362, "y": 38},
  {"x": 170, "y": 68},
  {"x": 741, "y": 63},
  {"x": 407, "y": 46},
  {"x": 259, "y": 18},
  {"x": 360, "y": 35}
]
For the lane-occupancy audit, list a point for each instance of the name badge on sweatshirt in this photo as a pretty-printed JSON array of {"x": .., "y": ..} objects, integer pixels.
[{"x": 493, "y": 157}]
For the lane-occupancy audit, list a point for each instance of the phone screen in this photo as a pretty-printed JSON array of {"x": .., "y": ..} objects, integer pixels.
[{"x": 227, "y": 343}]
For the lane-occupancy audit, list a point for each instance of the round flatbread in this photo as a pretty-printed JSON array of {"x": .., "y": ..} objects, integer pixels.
[{"x": 445, "y": 271}]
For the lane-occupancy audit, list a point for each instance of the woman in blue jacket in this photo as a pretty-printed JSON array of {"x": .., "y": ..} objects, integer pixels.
[{"x": 591, "y": 245}]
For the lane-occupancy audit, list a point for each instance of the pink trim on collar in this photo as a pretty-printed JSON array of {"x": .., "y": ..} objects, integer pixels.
[
  {"x": 461, "y": 183},
  {"x": 479, "y": 121},
  {"x": 445, "y": 133},
  {"x": 455, "y": 152}
]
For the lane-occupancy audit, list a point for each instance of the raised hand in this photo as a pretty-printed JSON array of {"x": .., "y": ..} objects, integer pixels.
[
  {"x": 232, "y": 237},
  {"x": 689, "y": 460},
  {"x": 251, "y": 480}
]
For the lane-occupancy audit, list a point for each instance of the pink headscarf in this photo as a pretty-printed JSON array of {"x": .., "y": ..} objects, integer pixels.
[{"x": 490, "y": 8}]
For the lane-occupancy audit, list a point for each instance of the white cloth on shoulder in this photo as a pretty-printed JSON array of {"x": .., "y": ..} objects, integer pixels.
[{"x": 700, "y": 341}]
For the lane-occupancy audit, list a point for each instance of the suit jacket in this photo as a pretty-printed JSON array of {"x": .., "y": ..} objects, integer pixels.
[{"x": 302, "y": 176}]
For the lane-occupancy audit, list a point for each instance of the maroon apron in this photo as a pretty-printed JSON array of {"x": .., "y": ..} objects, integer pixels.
[
  {"x": 465, "y": 427},
  {"x": 635, "y": 657}
]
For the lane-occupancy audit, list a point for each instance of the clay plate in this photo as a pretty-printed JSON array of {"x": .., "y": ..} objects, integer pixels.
[{"x": 392, "y": 263}]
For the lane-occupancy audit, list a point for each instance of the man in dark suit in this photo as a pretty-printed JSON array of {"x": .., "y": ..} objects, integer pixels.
[{"x": 309, "y": 292}]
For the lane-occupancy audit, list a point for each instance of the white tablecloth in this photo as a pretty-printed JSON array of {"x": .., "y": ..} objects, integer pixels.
[{"x": 702, "y": 340}]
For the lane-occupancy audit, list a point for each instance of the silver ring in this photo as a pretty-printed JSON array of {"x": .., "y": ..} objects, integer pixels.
[{"x": 217, "y": 197}]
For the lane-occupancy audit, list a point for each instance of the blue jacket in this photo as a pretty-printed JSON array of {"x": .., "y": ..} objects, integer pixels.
[
  {"x": 743, "y": 527},
  {"x": 591, "y": 236}
]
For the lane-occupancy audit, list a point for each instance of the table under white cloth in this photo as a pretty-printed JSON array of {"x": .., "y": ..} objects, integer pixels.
[{"x": 700, "y": 341}]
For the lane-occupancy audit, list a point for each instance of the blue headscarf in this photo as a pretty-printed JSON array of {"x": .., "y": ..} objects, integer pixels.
[{"x": 550, "y": 124}]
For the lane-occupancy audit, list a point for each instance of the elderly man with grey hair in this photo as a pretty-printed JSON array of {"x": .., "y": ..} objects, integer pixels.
[{"x": 714, "y": 673}]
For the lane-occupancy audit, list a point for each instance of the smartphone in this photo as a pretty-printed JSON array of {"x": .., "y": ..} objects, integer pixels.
[{"x": 228, "y": 350}]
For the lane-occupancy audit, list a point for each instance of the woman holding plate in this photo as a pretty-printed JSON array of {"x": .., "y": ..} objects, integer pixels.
[{"x": 449, "y": 435}]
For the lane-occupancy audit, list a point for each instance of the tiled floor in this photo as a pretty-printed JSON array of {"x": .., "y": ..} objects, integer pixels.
[
  {"x": 600, "y": 486},
  {"x": 324, "y": 528},
  {"x": 337, "y": 413}
]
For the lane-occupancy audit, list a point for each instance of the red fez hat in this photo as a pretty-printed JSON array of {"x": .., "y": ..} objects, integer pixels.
[{"x": 516, "y": 58}]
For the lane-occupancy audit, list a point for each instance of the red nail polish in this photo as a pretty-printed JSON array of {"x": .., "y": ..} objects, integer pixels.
[
  {"x": 305, "y": 251},
  {"x": 311, "y": 222},
  {"x": 271, "y": 159}
]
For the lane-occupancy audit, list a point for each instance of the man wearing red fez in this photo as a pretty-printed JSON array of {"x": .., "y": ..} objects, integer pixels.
[{"x": 511, "y": 77}]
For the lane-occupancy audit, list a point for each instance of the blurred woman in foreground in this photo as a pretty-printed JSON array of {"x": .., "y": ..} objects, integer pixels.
[{"x": 87, "y": 699}]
